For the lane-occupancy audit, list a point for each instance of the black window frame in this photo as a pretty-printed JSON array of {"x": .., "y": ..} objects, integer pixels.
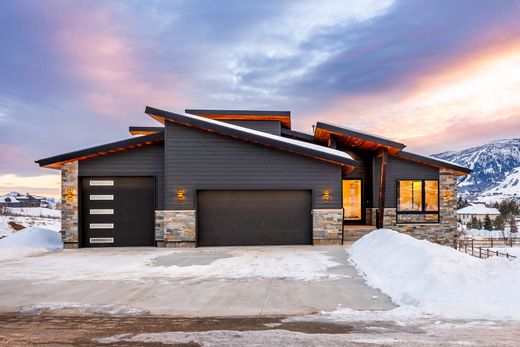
[{"x": 423, "y": 196}]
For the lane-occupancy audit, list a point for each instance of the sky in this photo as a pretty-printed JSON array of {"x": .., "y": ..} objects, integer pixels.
[{"x": 436, "y": 75}]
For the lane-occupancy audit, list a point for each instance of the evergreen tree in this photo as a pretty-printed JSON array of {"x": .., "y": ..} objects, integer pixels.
[
  {"x": 499, "y": 223},
  {"x": 474, "y": 223},
  {"x": 488, "y": 225}
]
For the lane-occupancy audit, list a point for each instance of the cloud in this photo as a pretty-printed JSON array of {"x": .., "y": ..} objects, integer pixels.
[{"x": 76, "y": 74}]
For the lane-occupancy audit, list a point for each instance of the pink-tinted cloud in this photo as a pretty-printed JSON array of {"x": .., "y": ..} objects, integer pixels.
[
  {"x": 102, "y": 55},
  {"x": 471, "y": 101}
]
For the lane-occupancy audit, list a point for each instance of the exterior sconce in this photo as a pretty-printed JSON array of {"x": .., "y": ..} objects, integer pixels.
[
  {"x": 326, "y": 194},
  {"x": 69, "y": 195},
  {"x": 180, "y": 194}
]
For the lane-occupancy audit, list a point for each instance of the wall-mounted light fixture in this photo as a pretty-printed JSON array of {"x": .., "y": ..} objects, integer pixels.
[
  {"x": 180, "y": 194},
  {"x": 326, "y": 194}
]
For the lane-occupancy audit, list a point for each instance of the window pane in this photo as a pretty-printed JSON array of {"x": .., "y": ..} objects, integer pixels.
[
  {"x": 432, "y": 195},
  {"x": 410, "y": 196},
  {"x": 352, "y": 199}
]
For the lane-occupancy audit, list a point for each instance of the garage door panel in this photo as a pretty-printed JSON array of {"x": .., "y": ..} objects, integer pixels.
[
  {"x": 257, "y": 217},
  {"x": 130, "y": 209}
]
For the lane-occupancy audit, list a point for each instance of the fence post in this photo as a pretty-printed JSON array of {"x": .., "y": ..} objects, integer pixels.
[
  {"x": 480, "y": 252},
  {"x": 488, "y": 252},
  {"x": 497, "y": 253},
  {"x": 491, "y": 242},
  {"x": 471, "y": 246}
]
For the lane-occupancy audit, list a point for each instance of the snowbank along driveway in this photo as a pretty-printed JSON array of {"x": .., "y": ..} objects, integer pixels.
[{"x": 278, "y": 280}]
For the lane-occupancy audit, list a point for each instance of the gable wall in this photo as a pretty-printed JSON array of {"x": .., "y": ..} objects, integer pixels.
[{"x": 197, "y": 159}]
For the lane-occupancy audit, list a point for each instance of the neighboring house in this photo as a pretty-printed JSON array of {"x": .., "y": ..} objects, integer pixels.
[
  {"x": 225, "y": 177},
  {"x": 8, "y": 201},
  {"x": 19, "y": 200},
  {"x": 479, "y": 211}
]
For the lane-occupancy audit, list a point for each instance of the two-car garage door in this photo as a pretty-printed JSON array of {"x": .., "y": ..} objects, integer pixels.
[
  {"x": 254, "y": 217},
  {"x": 117, "y": 211}
]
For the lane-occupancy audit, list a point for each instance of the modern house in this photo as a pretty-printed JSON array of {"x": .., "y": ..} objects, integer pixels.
[
  {"x": 479, "y": 211},
  {"x": 227, "y": 177}
]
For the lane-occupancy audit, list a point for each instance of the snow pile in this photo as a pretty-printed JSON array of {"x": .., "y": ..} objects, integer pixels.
[
  {"x": 45, "y": 223},
  {"x": 29, "y": 241},
  {"x": 34, "y": 212},
  {"x": 436, "y": 279}
]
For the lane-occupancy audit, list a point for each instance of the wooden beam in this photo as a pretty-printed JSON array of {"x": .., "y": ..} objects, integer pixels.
[
  {"x": 382, "y": 187},
  {"x": 332, "y": 141}
]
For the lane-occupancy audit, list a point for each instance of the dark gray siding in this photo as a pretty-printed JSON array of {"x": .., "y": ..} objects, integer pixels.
[
  {"x": 196, "y": 159},
  {"x": 399, "y": 169},
  {"x": 268, "y": 126},
  {"x": 142, "y": 161}
]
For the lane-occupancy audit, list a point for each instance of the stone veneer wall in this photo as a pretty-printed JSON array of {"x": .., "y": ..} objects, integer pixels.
[
  {"x": 69, "y": 205},
  {"x": 327, "y": 226},
  {"x": 443, "y": 232},
  {"x": 175, "y": 228}
]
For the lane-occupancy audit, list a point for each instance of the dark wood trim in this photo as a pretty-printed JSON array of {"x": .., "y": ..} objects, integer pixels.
[
  {"x": 433, "y": 162},
  {"x": 133, "y": 142},
  {"x": 382, "y": 188}
]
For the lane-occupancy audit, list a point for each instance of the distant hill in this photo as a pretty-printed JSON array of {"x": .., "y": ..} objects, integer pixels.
[{"x": 496, "y": 170}]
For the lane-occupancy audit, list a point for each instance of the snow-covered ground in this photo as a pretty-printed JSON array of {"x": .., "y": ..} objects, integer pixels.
[
  {"x": 46, "y": 223},
  {"x": 34, "y": 212},
  {"x": 438, "y": 280},
  {"x": 144, "y": 264},
  {"x": 29, "y": 241},
  {"x": 514, "y": 251}
]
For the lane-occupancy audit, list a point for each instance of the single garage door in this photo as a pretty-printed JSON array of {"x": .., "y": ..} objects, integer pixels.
[
  {"x": 254, "y": 217},
  {"x": 117, "y": 211}
]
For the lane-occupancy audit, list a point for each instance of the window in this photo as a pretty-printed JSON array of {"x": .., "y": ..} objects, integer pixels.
[{"x": 418, "y": 196}]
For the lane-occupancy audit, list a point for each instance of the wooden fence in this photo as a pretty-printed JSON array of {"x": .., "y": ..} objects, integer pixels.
[
  {"x": 478, "y": 247},
  {"x": 490, "y": 242}
]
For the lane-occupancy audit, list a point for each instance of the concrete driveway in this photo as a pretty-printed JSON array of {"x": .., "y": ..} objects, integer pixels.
[{"x": 201, "y": 282}]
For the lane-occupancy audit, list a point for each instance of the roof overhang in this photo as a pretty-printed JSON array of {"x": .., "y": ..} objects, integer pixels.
[
  {"x": 434, "y": 162},
  {"x": 55, "y": 162},
  {"x": 135, "y": 130},
  {"x": 258, "y": 137},
  {"x": 352, "y": 138},
  {"x": 297, "y": 135},
  {"x": 284, "y": 117}
]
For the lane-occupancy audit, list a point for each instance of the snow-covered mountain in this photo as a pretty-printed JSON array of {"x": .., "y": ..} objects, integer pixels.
[{"x": 496, "y": 169}]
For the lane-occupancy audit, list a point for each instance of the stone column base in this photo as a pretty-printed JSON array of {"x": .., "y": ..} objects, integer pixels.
[
  {"x": 70, "y": 245},
  {"x": 180, "y": 244},
  {"x": 327, "y": 226},
  {"x": 175, "y": 229}
]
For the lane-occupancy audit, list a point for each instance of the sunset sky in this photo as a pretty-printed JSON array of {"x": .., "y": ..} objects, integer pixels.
[{"x": 436, "y": 75}]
